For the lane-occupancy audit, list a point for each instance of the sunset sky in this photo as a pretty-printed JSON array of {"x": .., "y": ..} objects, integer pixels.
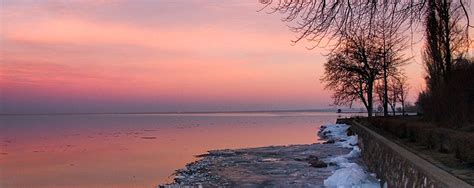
[{"x": 163, "y": 55}]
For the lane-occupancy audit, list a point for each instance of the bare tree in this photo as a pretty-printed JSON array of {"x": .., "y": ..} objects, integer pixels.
[
  {"x": 387, "y": 95},
  {"x": 332, "y": 22},
  {"x": 352, "y": 69},
  {"x": 402, "y": 88},
  {"x": 392, "y": 94},
  {"x": 388, "y": 34},
  {"x": 397, "y": 92},
  {"x": 320, "y": 21}
]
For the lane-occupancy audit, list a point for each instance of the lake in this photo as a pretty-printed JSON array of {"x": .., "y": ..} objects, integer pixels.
[{"x": 134, "y": 150}]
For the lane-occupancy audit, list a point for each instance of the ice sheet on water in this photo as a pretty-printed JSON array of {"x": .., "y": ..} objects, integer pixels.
[
  {"x": 350, "y": 174},
  {"x": 345, "y": 158},
  {"x": 350, "y": 141},
  {"x": 339, "y": 160},
  {"x": 334, "y": 131}
]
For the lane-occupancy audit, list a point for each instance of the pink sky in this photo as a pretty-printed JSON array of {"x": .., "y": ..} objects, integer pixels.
[{"x": 164, "y": 55}]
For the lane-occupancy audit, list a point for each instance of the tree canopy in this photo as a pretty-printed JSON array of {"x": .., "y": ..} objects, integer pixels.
[{"x": 322, "y": 21}]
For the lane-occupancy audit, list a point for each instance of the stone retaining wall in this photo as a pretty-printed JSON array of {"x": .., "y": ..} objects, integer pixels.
[{"x": 397, "y": 166}]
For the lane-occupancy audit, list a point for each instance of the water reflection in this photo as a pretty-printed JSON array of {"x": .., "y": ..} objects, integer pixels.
[{"x": 133, "y": 150}]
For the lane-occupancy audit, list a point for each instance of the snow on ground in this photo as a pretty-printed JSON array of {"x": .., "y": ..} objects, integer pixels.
[{"x": 349, "y": 174}]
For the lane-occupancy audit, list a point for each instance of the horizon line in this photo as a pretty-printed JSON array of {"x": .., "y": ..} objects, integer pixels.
[{"x": 352, "y": 110}]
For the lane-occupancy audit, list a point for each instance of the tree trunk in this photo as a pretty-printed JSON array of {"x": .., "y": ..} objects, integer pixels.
[
  {"x": 370, "y": 89},
  {"x": 385, "y": 75},
  {"x": 447, "y": 40},
  {"x": 385, "y": 90},
  {"x": 403, "y": 109},
  {"x": 403, "y": 106}
]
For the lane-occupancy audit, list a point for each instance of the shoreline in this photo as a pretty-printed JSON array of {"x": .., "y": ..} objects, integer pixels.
[
  {"x": 183, "y": 112},
  {"x": 316, "y": 165}
]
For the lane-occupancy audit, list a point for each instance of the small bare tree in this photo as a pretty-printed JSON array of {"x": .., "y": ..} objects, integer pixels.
[
  {"x": 393, "y": 93},
  {"x": 402, "y": 88},
  {"x": 386, "y": 95}
]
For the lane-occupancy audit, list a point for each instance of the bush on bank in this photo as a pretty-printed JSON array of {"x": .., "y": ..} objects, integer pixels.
[
  {"x": 451, "y": 102},
  {"x": 444, "y": 140}
]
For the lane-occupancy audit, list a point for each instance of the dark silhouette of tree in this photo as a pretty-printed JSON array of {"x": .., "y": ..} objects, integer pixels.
[
  {"x": 388, "y": 34},
  {"x": 397, "y": 92},
  {"x": 336, "y": 23},
  {"x": 453, "y": 38},
  {"x": 352, "y": 69},
  {"x": 432, "y": 55},
  {"x": 445, "y": 40},
  {"x": 403, "y": 88},
  {"x": 393, "y": 93},
  {"x": 382, "y": 41},
  {"x": 320, "y": 21},
  {"x": 446, "y": 44},
  {"x": 452, "y": 103}
]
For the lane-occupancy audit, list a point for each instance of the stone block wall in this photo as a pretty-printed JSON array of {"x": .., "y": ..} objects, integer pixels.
[{"x": 397, "y": 166}]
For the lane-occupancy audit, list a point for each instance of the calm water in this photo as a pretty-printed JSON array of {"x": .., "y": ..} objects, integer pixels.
[{"x": 133, "y": 150}]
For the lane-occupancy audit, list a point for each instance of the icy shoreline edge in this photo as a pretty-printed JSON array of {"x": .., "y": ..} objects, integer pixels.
[
  {"x": 350, "y": 173},
  {"x": 283, "y": 165}
]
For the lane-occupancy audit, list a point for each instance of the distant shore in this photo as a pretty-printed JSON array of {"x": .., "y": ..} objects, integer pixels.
[{"x": 184, "y": 112}]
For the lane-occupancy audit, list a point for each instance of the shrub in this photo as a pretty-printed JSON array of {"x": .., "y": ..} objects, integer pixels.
[
  {"x": 440, "y": 139},
  {"x": 417, "y": 132},
  {"x": 402, "y": 130},
  {"x": 464, "y": 147},
  {"x": 451, "y": 102}
]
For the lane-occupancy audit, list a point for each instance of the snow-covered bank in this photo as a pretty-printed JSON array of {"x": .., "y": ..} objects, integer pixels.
[{"x": 349, "y": 173}]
